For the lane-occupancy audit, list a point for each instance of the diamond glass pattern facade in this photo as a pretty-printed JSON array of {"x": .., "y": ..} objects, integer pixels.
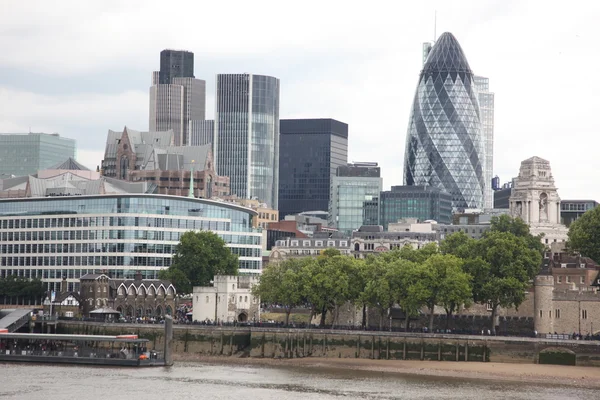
[{"x": 444, "y": 145}]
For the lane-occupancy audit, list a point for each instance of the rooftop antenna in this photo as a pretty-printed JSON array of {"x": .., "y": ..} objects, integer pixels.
[{"x": 434, "y": 25}]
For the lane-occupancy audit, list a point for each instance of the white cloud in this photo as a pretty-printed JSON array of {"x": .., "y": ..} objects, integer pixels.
[{"x": 355, "y": 63}]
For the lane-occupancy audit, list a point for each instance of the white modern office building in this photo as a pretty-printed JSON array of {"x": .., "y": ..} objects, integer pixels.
[{"x": 117, "y": 234}]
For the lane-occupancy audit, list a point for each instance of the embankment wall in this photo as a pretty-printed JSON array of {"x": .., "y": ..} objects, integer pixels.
[{"x": 291, "y": 343}]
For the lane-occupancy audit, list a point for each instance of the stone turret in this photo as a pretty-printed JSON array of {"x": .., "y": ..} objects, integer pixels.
[{"x": 543, "y": 304}]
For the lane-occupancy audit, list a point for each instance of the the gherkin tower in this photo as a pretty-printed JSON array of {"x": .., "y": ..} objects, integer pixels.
[{"x": 444, "y": 143}]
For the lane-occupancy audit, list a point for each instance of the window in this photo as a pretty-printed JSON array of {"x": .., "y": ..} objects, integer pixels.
[
  {"x": 559, "y": 279},
  {"x": 541, "y": 314},
  {"x": 207, "y": 300},
  {"x": 583, "y": 314},
  {"x": 557, "y": 313},
  {"x": 582, "y": 280},
  {"x": 245, "y": 298},
  {"x": 306, "y": 243},
  {"x": 240, "y": 299},
  {"x": 319, "y": 243},
  {"x": 568, "y": 278}
]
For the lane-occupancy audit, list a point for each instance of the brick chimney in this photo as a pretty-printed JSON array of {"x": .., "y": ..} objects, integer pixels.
[
  {"x": 63, "y": 285},
  {"x": 138, "y": 276}
]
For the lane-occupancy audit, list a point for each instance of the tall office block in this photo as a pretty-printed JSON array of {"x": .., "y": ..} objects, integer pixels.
[
  {"x": 486, "y": 115},
  {"x": 444, "y": 145},
  {"x": 247, "y": 135},
  {"x": 176, "y": 97},
  {"x": 310, "y": 150},
  {"x": 175, "y": 64},
  {"x": 353, "y": 185},
  {"x": 202, "y": 132},
  {"x": 27, "y": 153}
]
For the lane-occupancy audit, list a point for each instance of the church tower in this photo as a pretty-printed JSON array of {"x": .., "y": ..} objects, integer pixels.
[{"x": 535, "y": 200}]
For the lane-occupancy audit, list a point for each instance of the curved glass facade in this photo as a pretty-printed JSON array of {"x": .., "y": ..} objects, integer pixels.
[
  {"x": 54, "y": 237},
  {"x": 247, "y": 135},
  {"x": 444, "y": 144}
]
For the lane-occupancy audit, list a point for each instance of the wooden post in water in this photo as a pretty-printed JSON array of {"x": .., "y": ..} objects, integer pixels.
[{"x": 168, "y": 340}]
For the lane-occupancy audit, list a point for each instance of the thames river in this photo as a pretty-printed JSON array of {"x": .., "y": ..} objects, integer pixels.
[{"x": 192, "y": 380}]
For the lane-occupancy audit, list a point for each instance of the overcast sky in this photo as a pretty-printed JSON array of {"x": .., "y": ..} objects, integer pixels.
[{"x": 80, "y": 68}]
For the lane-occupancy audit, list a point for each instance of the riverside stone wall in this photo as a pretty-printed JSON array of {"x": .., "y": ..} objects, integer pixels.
[{"x": 295, "y": 343}]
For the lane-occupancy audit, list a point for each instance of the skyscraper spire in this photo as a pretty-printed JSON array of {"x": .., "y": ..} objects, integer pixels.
[{"x": 191, "y": 192}]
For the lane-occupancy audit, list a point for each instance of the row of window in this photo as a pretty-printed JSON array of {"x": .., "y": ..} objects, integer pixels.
[
  {"x": 82, "y": 261},
  {"x": 584, "y": 314},
  {"x": 189, "y": 224},
  {"x": 116, "y": 234},
  {"x": 245, "y": 299},
  {"x": 569, "y": 280},
  {"x": 76, "y": 273}
]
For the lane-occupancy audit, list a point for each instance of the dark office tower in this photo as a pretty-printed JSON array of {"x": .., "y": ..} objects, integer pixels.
[
  {"x": 175, "y": 64},
  {"x": 444, "y": 144},
  {"x": 310, "y": 150},
  {"x": 176, "y": 97},
  {"x": 246, "y": 139}
]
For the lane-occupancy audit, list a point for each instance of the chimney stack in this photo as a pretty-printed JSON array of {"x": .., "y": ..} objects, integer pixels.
[{"x": 138, "y": 275}]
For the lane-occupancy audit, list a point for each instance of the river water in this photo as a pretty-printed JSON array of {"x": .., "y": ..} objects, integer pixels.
[{"x": 192, "y": 380}]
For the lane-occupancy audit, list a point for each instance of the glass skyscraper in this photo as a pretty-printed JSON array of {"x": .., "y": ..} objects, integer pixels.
[
  {"x": 444, "y": 144},
  {"x": 246, "y": 141},
  {"x": 486, "y": 108},
  {"x": 27, "y": 153},
  {"x": 310, "y": 150},
  {"x": 353, "y": 186}
]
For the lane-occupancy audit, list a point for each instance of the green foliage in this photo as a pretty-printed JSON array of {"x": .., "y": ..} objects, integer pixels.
[
  {"x": 519, "y": 228},
  {"x": 584, "y": 234},
  {"x": 199, "y": 256},
  {"x": 14, "y": 289},
  {"x": 281, "y": 283},
  {"x": 443, "y": 282}
]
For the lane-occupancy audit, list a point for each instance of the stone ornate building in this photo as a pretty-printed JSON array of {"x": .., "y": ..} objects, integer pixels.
[
  {"x": 535, "y": 200},
  {"x": 229, "y": 299},
  {"x": 130, "y": 297},
  {"x": 151, "y": 157}
]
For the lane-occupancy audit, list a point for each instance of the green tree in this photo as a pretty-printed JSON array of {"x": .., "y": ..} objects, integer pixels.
[
  {"x": 328, "y": 284},
  {"x": 443, "y": 282},
  {"x": 584, "y": 234},
  {"x": 405, "y": 277},
  {"x": 516, "y": 226},
  {"x": 380, "y": 289},
  {"x": 459, "y": 244},
  {"x": 502, "y": 270},
  {"x": 200, "y": 256},
  {"x": 281, "y": 283}
]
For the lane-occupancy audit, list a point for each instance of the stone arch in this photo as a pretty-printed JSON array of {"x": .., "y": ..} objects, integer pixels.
[
  {"x": 151, "y": 291},
  {"x": 161, "y": 291},
  {"x": 122, "y": 291},
  {"x": 139, "y": 312},
  {"x": 170, "y": 291},
  {"x": 149, "y": 311},
  {"x": 120, "y": 310},
  {"x": 356, "y": 246},
  {"x": 131, "y": 290},
  {"x": 129, "y": 311},
  {"x": 159, "y": 311},
  {"x": 242, "y": 317},
  {"x": 142, "y": 291}
]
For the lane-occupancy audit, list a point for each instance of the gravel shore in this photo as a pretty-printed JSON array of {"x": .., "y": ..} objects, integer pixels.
[{"x": 585, "y": 377}]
